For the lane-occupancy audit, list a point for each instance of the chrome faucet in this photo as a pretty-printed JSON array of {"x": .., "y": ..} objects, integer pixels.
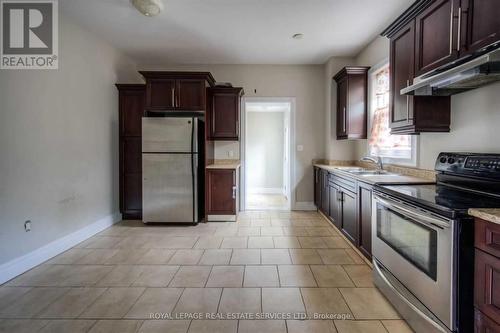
[{"x": 377, "y": 161}]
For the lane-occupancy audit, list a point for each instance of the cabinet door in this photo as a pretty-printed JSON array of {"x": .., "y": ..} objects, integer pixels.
[
  {"x": 131, "y": 112},
  {"x": 325, "y": 193},
  {"x": 349, "y": 222},
  {"x": 224, "y": 120},
  {"x": 335, "y": 214},
  {"x": 480, "y": 24},
  {"x": 483, "y": 324},
  {"x": 437, "y": 35},
  {"x": 317, "y": 187},
  {"x": 402, "y": 69},
  {"x": 486, "y": 284},
  {"x": 160, "y": 94},
  {"x": 221, "y": 199},
  {"x": 365, "y": 219},
  {"x": 190, "y": 95},
  {"x": 342, "y": 88},
  {"x": 131, "y": 180}
]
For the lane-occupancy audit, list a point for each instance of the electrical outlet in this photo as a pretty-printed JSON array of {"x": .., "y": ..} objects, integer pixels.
[
  {"x": 230, "y": 153},
  {"x": 27, "y": 226}
]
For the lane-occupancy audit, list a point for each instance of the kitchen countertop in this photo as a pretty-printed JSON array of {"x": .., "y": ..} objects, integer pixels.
[
  {"x": 224, "y": 164},
  {"x": 487, "y": 214},
  {"x": 375, "y": 179}
]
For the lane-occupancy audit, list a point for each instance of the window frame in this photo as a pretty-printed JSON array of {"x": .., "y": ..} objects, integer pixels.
[{"x": 415, "y": 142}]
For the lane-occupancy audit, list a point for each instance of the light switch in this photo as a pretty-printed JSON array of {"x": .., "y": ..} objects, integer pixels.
[{"x": 300, "y": 148}]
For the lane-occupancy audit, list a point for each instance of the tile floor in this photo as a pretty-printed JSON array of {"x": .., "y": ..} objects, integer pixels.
[
  {"x": 266, "y": 266},
  {"x": 266, "y": 201}
]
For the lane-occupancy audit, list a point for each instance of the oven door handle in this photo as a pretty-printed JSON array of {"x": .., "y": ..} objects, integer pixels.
[
  {"x": 419, "y": 217},
  {"x": 403, "y": 298}
]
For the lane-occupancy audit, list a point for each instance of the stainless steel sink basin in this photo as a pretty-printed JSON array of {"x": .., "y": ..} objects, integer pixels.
[{"x": 370, "y": 172}]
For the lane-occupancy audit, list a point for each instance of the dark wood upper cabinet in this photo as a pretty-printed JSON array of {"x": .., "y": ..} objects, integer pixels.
[
  {"x": 412, "y": 114},
  {"x": 177, "y": 91},
  {"x": 352, "y": 93},
  {"x": 223, "y": 113},
  {"x": 191, "y": 94},
  {"x": 131, "y": 110},
  {"x": 221, "y": 191},
  {"x": 436, "y": 36},
  {"x": 479, "y": 25},
  {"x": 402, "y": 60}
]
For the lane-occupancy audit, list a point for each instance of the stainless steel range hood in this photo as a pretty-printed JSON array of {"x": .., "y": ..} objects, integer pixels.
[{"x": 472, "y": 74}]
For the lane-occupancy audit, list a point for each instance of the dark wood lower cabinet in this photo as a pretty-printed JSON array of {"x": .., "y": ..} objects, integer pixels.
[
  {"x": 317, "y": 187},
  {"x": 487, "y": 277},
  {"x": 335, "y": 207},
  {"x": 365, "y": 218},
  {"x": 349, "y": 216},
  {"x": 221, "y": 192},
  {"x": 325, "y": 193},
  {"x": 347, "y": 204}
]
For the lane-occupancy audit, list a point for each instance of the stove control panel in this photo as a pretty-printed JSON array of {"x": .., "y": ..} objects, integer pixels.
[{"x": 487, "y": 165}]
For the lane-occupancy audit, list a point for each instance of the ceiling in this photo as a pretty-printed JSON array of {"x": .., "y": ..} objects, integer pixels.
[{"x": 237, "y": 31}]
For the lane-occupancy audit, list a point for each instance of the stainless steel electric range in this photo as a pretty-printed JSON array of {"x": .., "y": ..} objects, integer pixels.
[{"x": 423, "y": 241}]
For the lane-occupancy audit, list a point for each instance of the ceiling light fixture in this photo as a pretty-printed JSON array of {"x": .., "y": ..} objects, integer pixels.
[
  {"x": 298, "y": 36},
  {"x": 148, "y": 7}
]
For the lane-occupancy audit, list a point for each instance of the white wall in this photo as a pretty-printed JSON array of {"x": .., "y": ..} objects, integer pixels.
[
  {"x": 59, "y": 142},
  {"x": 475, "y": 119},
  {"x": 265, "y": 150},
  {"x": 305, "y": 83}
]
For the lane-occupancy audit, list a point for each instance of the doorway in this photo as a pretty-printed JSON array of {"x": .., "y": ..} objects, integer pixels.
[{"x": 266, "y": 154}]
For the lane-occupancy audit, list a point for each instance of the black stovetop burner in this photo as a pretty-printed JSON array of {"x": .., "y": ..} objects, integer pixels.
[{"x": 464, "y": 181}]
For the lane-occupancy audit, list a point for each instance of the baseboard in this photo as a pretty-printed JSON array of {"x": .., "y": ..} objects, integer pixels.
[
  {"x": 265, "y": 190},
  {"x": 304, "y": 205},
  {"x": 26, "y": 262}
]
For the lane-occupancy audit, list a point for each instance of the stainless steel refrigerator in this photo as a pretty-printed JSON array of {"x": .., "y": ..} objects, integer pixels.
[{"x": 172, "y": 160}]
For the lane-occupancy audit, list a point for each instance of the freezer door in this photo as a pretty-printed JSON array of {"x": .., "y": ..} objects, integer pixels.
[
  {"x": 169, "y": 135},
  {"x": 168, "y": 188}
]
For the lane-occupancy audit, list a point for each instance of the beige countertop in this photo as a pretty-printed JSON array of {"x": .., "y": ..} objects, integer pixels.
[
  {"x": 225, "y": 164},
  {"x": 487, "y": 214},
  {"x": 375, "y": 179}
]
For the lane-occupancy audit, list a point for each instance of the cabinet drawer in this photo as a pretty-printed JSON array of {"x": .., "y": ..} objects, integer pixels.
[
  {"x": 487, "y": 237},
  {"x": 348, "y": 184},
  {"x": 487, "y": 285}
]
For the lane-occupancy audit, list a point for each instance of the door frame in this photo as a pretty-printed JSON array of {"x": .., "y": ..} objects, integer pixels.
[{"x": 290, "y": 176}]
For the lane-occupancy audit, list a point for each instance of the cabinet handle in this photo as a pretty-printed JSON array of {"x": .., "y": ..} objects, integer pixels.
[
  {"x": 234, "y": 192},
  {"x": 173, "y": 97},
  {"x": 345, "y": 121},
  {"x": 459, "y": 28},
  {"x": 451, "y": 28},
  {"x": 407, "y": 102}
]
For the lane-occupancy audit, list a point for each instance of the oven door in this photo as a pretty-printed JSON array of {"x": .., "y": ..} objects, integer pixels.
[{"x": 417, "y": 248}]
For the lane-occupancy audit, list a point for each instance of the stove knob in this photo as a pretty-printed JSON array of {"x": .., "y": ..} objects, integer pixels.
[
  {"x": 451, "y": 160},
  {"x": 442, "y": 159}
]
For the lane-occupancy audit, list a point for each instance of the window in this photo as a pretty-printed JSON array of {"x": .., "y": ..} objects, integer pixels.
[{"x": 397, "y": 149}]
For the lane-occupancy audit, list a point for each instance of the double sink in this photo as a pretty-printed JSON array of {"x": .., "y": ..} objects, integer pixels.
[{"x": 366, "y": 172}]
